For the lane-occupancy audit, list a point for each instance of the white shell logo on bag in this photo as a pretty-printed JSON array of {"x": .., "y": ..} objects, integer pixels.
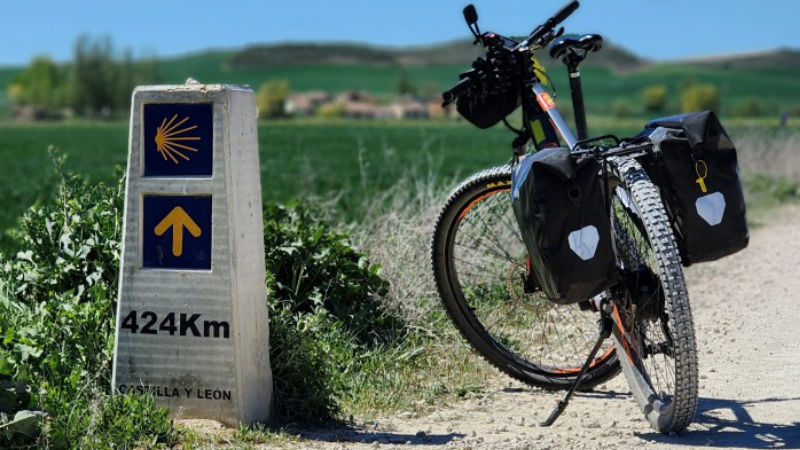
[
  {"x": 711, "y": 208},
  {"x": 584, "y": 242}
]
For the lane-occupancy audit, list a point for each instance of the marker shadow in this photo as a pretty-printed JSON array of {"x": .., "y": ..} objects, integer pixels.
[{"x": 347, "y": 434}]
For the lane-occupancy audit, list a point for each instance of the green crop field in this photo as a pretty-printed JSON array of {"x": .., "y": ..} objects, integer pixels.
[{"x": 299, "y": 159}]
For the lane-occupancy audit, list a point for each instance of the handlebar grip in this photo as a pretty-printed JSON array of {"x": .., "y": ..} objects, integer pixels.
[
  {"x": 548, "y": 26},
  {"x": 449, "y": 96},
  {"x": 565, "y": 12}
]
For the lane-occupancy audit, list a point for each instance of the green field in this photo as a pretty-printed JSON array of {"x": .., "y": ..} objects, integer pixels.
[{"x": 299, "y": 159}]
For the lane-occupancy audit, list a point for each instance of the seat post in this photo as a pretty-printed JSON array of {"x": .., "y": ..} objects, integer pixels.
[{"x": 577, "y": 99}]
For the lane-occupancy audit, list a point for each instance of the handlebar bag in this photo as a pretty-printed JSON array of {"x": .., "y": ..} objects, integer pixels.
[
  {"x": 696, "y": 169},
  {"x": 488, "y": 103},
  {"x": 560, "y": 209}
]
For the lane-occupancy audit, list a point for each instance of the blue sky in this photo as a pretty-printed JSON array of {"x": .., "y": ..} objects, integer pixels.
[{"x": 657, "y": 29}]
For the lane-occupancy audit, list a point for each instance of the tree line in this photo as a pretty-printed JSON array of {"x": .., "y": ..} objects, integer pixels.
[{"x": 97, "y": 83}]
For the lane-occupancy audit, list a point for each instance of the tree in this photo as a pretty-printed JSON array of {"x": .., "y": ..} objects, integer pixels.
[
  {"x": 39, "y": 85},
  {"x": 93, "y": 75},
  {"x": 124, "y": 80},
  {"x": 696, "y": 97},
  {"x": 655, "y": 98},
  {"x": 93, "y": 83},
  {"x": 271, "y": 99},
  {"x": 404, "y": 86}
]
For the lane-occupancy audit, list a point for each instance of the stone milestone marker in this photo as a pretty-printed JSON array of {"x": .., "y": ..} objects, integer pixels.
[{"x": 192, "y": 326}]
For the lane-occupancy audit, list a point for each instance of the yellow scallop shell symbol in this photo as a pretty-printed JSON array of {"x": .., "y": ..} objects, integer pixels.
[{"x": 169, "y": 139}]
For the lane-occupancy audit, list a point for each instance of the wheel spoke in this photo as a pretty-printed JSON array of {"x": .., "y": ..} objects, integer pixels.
[{"x": 489, "y": 258}]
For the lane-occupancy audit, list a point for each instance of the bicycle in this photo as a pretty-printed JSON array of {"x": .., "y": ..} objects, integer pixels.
[{"x": 483, "y": 271}]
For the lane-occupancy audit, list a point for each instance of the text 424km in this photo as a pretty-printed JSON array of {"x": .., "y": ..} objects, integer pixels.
[{"x": 182, "y": 324}]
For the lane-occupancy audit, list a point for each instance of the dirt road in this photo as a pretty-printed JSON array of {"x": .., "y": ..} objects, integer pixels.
[{"x": 747, "y": 318}]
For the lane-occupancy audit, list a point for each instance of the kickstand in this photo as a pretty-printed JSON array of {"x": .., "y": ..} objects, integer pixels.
[{"x": 605, "y": 331}]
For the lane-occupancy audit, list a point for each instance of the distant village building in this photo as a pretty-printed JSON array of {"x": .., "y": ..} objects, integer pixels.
[
  {"x": 306, "y": 103},
  {"x": 356, "y": 97},
  {"x": 408, "y": 107},
  {"x": 356, "y": 104},
  {"x": 435, "y": 110},
  {"x": 362, "y": 110}
]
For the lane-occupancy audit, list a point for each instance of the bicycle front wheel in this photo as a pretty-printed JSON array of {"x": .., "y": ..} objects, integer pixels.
[
  {"x": 653, "y": 331},
  {"x": 480, "y": 266}
]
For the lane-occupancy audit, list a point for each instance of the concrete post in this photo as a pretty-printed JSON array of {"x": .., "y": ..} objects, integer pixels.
[{"x": 192, "y": 325}]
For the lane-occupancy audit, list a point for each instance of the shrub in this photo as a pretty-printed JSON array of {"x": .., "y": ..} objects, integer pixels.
[
  {"x": 57, "y": 304},
  {"x": 326, "y": 313},
  {"x": 655, "y": 98},
  {"x": 697, "y": 97},
  {"x": 70, "y": 245},
  {"x": 329, "y": 110},
  {"x": 750, "y": 108},
  {"x": 271, "y": 99},
  {"x": 774, "y": 187},
  {"x": 621, "y": 109},
  {"x": 312, "y": 266}
]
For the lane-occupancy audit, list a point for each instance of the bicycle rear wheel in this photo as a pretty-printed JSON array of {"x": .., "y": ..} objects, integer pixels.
[
  {"x": 480, "y": 265},
  {"x": 653, "y": 331}
]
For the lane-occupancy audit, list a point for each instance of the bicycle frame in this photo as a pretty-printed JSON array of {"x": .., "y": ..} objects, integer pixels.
[
  {"x": 539, "y": 105},
  {"x": 544, "y": 123}
]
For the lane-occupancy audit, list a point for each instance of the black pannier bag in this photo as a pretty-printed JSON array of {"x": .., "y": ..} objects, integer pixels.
[
  {"x": 560, "y": 210},
  {"x": 695, "y": 167},
  {"x": 489, "y": 103}
]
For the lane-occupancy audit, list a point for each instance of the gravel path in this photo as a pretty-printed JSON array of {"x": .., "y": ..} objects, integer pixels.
[{"x": 746, "y": 313}]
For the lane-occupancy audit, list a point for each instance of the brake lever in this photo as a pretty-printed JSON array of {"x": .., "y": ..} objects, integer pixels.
[{"x": 549, "y": 37}]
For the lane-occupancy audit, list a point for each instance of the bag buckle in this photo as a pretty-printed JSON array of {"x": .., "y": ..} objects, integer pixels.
[{"x": 574, "y": 194}]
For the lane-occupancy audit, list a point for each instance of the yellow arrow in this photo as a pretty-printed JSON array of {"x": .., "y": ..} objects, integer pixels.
[{"x": 178, "y": 219}]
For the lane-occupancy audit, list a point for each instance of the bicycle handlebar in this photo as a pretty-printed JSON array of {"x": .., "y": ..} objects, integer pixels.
[
  {"x": 449, "y": 96},
  {"x": 550, "y": 24},
  {"x": 565, "y": 12},
  {"x": 544, "y": 30}
]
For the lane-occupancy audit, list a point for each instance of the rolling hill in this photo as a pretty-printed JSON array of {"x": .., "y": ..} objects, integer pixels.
[
  {"x": 460, "y": 52},
  {"x": 611, "y": 75}
]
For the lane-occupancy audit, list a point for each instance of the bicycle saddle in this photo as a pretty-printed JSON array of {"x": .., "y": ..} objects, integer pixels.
[{"x": 587, "y": 42}]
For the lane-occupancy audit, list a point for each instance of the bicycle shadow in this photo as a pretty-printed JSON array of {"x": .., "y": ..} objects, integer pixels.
[{"x": 742, "y": 431}]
